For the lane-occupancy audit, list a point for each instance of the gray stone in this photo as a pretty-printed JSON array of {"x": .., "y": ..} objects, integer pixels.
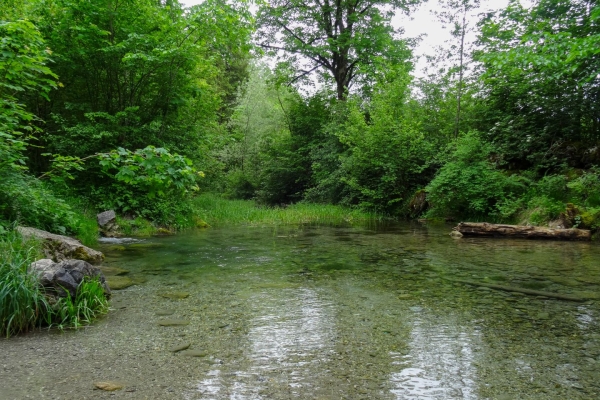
[
  {"x": 107, "y": 221},
  {"x": 64, "y": 277},
  {"x": 105, "y": 218},
  {"x": 60, "y": 248}
]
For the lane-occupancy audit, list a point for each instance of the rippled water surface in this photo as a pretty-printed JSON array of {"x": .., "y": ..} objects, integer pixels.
[{"x": 338, "y": 313}]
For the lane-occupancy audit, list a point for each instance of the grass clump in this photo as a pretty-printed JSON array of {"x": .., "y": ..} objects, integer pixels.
[
  {"x": 22, "y": 304},
  {"x": 216, "y": 210},
  {"x": 89, "y": 303}
]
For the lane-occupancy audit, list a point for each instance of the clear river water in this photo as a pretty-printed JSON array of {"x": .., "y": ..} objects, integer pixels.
[{"x": 314, "y": 312}]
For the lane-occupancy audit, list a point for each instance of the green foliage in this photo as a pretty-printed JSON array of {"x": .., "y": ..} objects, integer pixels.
[
  {"x": 585, "y": 189},
  {"x": 469, "y": 185},
  {"x": 23, "y": 59},
  {"x": 387, "y": 155},
  {"x": 29, "y": 202},
  {"x": 349, "y": 41},
  {"x": 152, "y": 170},
  {"x": 136, "y": 226},
  {"x": 22, "y": 306},
  {"x": 540, "y": 73}
]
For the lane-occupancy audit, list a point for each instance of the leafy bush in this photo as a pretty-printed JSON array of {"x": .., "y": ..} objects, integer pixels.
[
  {"x": 585, "y": 189},
  {"x": 29, "y": 202},
  {"x": 469, "y": 185}
]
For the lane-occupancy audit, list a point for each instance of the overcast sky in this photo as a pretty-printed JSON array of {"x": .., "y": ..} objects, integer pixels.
[{"x": 422, "y": 21}]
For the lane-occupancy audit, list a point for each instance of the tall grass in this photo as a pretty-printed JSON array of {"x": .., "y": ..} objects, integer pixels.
[
  {"x": 218, "y": 211},
  {"x": 22, "y": 305},
  {"x": 89, "y": 304}
]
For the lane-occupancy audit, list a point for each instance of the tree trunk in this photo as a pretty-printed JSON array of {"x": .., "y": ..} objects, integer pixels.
[{"x": 520, "y": 231}]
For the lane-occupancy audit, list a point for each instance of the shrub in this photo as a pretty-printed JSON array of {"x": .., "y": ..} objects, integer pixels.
[{"x": 470, "y": 186}]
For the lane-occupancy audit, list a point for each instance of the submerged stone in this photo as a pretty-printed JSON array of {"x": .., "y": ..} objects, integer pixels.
[
  {"x": 173, "y": 322},
  {"x": 174, "y": 295},
  {"x": 194, "y": 353},
  {"x": 119, "y": 282},
  {"x": 165, "y": 312},
  {"x": 179, "y": 347}
]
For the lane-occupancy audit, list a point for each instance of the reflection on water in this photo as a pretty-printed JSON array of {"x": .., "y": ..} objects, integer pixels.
[
  {"x": 321, "y": 312},
  {"x": 289, "y": 338},
  {"x": 440, "y": 360}
]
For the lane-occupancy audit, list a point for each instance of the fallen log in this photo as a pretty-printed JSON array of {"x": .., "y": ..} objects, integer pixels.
[
  {"x": 520, "y": 231},
  {"x": 530, "y": 292}
]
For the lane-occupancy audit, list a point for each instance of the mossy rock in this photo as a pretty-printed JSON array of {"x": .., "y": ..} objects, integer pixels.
[
  {"x": 200, "y": 223},
  {"x": 174, "y": 295},
  {"x": 119, "y": 282},
  {"x": 590, "y": 219}
]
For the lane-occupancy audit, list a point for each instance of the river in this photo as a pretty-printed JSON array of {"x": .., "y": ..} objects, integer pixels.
[{"x": 314, "y": 312}]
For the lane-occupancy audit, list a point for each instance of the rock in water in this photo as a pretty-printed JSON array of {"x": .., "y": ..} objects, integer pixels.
[
  {"x": 174, "y": 295},
  {"x": 60, "y": 248},
  {"x": 119, "y": 282},
  {"x": 60, "y": 278},
  {"x": 108, "y": 386}
]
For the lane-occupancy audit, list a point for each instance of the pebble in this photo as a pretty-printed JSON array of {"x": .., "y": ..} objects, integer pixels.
[{"x": 108, "y": 386}]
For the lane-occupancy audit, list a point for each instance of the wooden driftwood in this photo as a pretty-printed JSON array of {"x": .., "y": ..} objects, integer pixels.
[
  {"x": 530, "y": 292},
  {"x": 520, "y": 231}
]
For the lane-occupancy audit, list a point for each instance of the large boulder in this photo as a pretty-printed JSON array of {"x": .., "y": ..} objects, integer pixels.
[
  {"x": 59, "y": 248},
  {"x": 62, "y": 278}
]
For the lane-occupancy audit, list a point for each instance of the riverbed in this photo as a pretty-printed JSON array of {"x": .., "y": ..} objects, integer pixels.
[{"x": 318, "y": 312}]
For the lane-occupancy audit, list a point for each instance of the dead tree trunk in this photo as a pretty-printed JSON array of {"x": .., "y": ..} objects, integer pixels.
[{"x": 520, "y": 231}]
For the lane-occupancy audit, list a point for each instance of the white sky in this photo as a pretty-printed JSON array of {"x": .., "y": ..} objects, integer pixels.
[{"x": 422, "y": 21}]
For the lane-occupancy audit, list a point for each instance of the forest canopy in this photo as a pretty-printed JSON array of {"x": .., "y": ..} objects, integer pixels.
[{"x": 137, "y": 105}]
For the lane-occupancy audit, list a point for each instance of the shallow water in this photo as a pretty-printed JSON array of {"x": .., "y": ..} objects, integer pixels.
[{"x": 330, "y": 313}]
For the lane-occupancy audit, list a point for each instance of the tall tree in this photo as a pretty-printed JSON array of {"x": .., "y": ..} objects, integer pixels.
[
  {"x": 540, "y": 74},
  {"x": 455, "y": 13},
  {"x": 343, "y": 39}
]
